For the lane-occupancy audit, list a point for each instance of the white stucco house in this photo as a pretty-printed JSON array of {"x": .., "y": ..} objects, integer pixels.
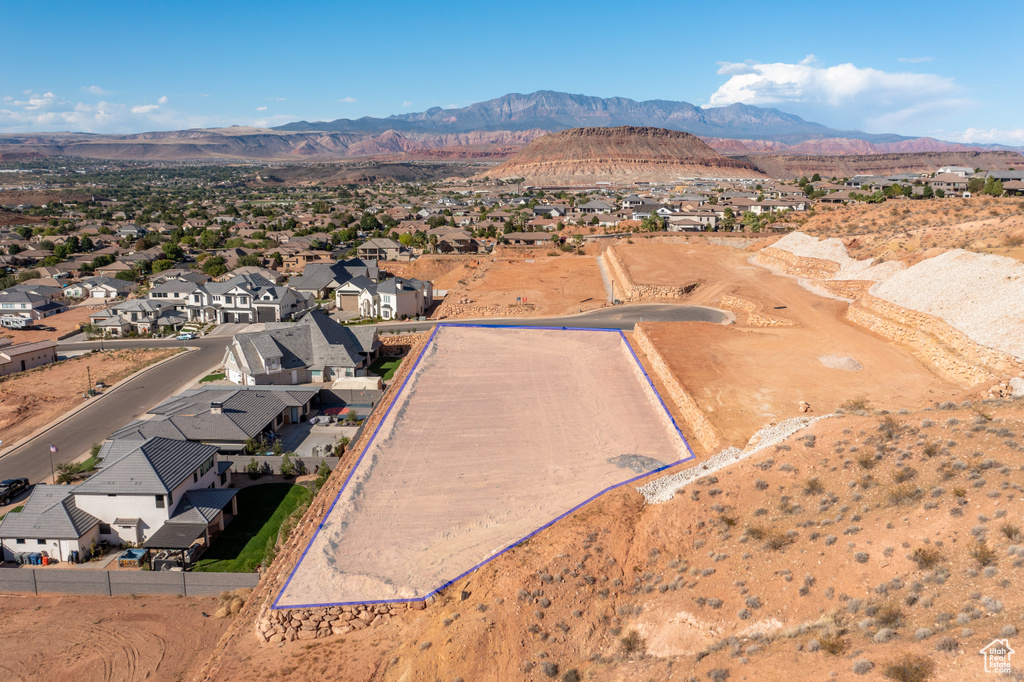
[
  {"x": 145, "y": 490},
  {"x": 394, "y": 299}
]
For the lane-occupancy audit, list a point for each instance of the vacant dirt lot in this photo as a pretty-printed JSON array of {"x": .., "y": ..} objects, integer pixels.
[
  {"x": 477, "y": 453},
  {"x": 743, "y": 377},
  {"x": 550, "y": 285},
  {"x": 30, "y": 400},
  {"x": 62, "y": 323},
  {"x": 106, "y": 638}
]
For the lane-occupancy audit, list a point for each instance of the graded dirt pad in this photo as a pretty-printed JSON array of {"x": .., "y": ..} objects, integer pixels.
[
  {"x": 32, "y": 399},
  {"x": 497, "y": 433},
  {"x": 744, "y": 377},
  {"x": 550, "y": 285},
  {"x": 106, "y": 638}
]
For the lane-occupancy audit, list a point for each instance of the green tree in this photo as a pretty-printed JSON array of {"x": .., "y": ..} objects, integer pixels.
[
  {"x": 993, "y": 187},
  {"x": 215, "y": 266},
  {"x": 209, "y": 239},
  {"x": 815, "y": 178},
  {"x": 162, "y": 264},
  {"x": 254, "y": 260},
  {"x": 975, "y": 185},
  {"x": 729, "y": 218},
  {"x": 173, "y": 251},
  {"x": 928, "y": 192}
]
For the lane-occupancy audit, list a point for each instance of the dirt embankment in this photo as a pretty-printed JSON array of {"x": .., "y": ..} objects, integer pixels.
[
  {"x": 32, "y": 399},
  {"x": 854, "y": 544}
]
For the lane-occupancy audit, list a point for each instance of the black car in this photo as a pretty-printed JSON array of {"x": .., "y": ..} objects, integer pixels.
[{"x": 11, "y": 488}]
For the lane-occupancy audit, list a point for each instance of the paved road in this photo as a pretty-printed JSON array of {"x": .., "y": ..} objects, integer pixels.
[
  {"x": 617, "y": 317},
  {"x": 132, "y": 399},
  {"x": 110, "y": 411}
]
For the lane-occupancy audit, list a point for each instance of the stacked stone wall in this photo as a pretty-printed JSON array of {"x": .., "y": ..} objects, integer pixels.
[{"x": 696, "y": 421}]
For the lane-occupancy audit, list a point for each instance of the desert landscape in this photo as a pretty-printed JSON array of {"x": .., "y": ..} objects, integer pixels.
[{"x": 630, "y": 359}]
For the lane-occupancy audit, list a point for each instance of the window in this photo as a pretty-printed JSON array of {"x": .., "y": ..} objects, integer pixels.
[
  {"x": 159, "y": 501},
  {"x": 195, "y": 476},
  {"x": 111, "y": 494},
  {"x": 20, "y": 541},
  {"x": 41, "y": 541},
  {"x": 104, "y": 529},
  {"x": 207, "y": 465}
]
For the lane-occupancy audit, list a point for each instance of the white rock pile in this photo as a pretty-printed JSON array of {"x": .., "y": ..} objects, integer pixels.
[
  {"x": 847, "y": 364},
  {"x": 806, "y": 246},
  {"x": 663, "y": 489},
  {"x": 979, "y": 294}
]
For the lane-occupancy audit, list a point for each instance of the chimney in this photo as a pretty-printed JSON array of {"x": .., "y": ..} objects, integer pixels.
[
  {"x": 216, "y": 408},
  {"x": 398, "y": 285}
]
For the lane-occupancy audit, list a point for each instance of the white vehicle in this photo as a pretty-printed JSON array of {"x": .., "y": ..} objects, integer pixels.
[{"x": 14, "y": 322}]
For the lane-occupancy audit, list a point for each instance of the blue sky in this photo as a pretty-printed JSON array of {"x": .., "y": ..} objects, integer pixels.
[{"x": 947, "y": 70}]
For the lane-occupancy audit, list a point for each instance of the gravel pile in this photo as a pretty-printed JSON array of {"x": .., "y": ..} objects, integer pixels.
[
  {"x": 664, "y": 489},
  {"x": 847, "y": 364},
  {"x": 979, "y": 294},
  {"x": 806, "y": 246}
]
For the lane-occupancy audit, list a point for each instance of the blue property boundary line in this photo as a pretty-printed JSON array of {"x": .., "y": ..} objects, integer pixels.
[{"x": 622, "y": 335}]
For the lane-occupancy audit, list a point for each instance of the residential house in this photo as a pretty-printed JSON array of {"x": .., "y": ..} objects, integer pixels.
[
  {"x": 18, "y": 357},
  {"x": 223, "y": 416},
  {"x": 316, "y": 349},
  {"x": 152, "y": 485},
  {"x": 32, "y": 306},
  {"x": 248, "y": 299},
  {"x": 379, "y": 248},
  {"x": 100, "y": 287},
  {"x": 396, "y": 299},
  {"x": 950, "y": 183},
  {"x": 321, "y": 280}
]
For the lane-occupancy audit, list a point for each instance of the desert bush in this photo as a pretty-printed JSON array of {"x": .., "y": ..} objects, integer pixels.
[
  {"x": 571, "y": 675},
  {"x": 926, "y": 557},
  {"x": 755, "y": 532},
  {"x": 1010, "y": 530},
  {"x": 813, "y": 486},
  {"x": 777, "y": 540},
  {"x": 947, "y": 644},
  {"x": 909, "y": 668},
  {"x": 889, "y": 615},
  {"x": 833, "y": 643},
  {"x": 904, "y": 474},
  {"x": 862, "y": 666},
  {"x": 904, "y": 493},
  {"x": 866, "y": 461},
  {"x": 550, "y": 669},
  {"x": 632, "y": 643},
  {"x": 983, "y": 554},
  {"x": 855, "y": 404}
]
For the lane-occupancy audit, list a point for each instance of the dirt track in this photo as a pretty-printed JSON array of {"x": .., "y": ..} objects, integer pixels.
[{"x": 106, "y": 638}]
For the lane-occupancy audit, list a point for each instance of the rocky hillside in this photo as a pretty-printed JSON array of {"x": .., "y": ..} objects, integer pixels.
[
  {"x": 587, "y": 155},
  {"x": 848, "y": 165}
]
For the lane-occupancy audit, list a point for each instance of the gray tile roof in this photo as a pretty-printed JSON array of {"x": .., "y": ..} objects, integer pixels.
[
  {"x": 316, "y": 341},
  {"x": 201, "y": 505},
  {"x": 245, "y": 412},
  {"x": 154, "y": 467},
  {"x": 50, "y": 513}
]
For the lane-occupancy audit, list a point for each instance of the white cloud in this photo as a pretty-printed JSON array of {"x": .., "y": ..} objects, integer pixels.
[
  {"x": 48, "y": 111},
  {"x": 278, "y": 99},
  {"x": 261, "y": 108},
  {"x": 162, "y": 100},
  {"x": 348, "y": 100},
  {"x": 96, "y": 90},
  {"x": 805, "y": 82},
  {"x": 915, "y": 60},
  {"x": 407, "y": 103},
  {"x": 1008, "y": 136}
]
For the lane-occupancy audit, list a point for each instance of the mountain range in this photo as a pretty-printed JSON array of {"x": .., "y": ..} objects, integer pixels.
[{"x": 491, "y": 130}]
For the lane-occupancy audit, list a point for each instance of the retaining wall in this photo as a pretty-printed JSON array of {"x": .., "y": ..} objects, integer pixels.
[
  {"x": 691, "y": 413},
  {"x": 797, "y": 266},
  {"x": 115, "y": 583},
  {"x": 626, "y": 289},
  {"x": 754, "y": 317}
]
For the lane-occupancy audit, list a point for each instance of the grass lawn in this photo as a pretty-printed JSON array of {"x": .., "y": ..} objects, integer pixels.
[
  {"x": 13, "y": 511},
  {"x": 261, "y": 511},
  {"x": 216, "y": 376},
  {"x": 385, "y": 367}
]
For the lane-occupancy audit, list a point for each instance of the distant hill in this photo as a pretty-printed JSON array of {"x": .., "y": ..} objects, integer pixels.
[
  {"x": 621, "y": 154},
  {"x": 848, "y": 165},
  {"x": 553, "y": 111}
]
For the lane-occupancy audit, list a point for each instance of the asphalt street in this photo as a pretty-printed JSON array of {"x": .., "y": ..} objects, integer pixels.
[{"x": 108, "y": 412}]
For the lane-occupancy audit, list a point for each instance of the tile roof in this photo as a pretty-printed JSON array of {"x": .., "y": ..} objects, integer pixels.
[
  {"x": 49, "y": 513},
  {"x": 201, "y": 505},
  {"x": 154, "y": 467}
]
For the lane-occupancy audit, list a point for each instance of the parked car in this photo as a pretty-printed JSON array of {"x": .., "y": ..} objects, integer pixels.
[
  {"x": 186, "y": 336},
  {"x": 11, "y": 488}
]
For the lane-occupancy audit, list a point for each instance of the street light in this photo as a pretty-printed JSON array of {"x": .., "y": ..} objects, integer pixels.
[{"x": 53, "y": 476}]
